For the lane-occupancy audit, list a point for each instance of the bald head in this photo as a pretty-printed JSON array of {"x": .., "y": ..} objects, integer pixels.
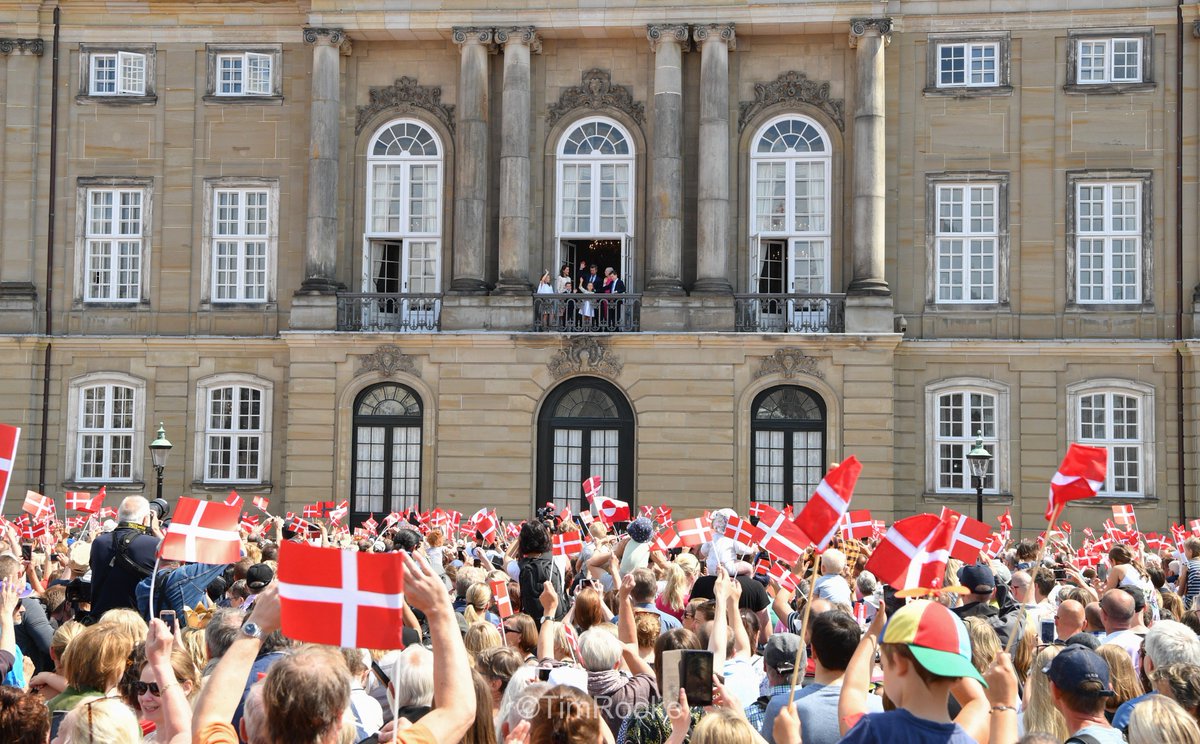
[
  {"x": 1117, "y": 610},
  {"x": 1020, "y": 585},
  {"x": 133, "y": 509},
  {"x": 1069, "y": 619},
  {"x": 1094, "y": 617}
]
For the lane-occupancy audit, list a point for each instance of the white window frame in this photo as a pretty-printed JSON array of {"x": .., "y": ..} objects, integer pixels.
[
  {"x": 130, "y": 74},
  {"x": 133, "y": 71},
  {"x": 75, "y": 431},
  {"x": 1107, "y": 47},
  {"x": 997, "y": 444},
  {"x": 244, "y": 84},
  {"x": 968, "y": 235},
  {"x": 212, "y": 189},
  {"x": 1108, "y": 235},
  {"x": 204, "y": 431},
  {"x": 596, "y": 162},
  {"x": 88, "y": 241},
  {"x": 1144, "y": 395},
  {"x": 968, "y": 47}
]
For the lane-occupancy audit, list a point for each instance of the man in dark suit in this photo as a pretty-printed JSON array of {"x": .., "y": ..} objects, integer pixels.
[
  {"x": 593, "y": 278},
  {"x": 123, "y": 557},
  {"x": 613, "y": 284}
]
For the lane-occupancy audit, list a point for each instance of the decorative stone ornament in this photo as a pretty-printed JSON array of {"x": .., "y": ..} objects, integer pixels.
[
  {"x": 36, "y": 47},
  {"x": 860, "y": 26},
  {"x": 405, "y": 95},
  {"x": 723, "y": 31},
  {"x": 585, "y": 354},
  {"x": 793, "y": 87},
  {"x": 520, "y": 35},
  {"x": 658, "y": 33},
  {"x": 596, "y": 92},
  {"x": 387, "y": 360},
  {"x": 788, "y": 362}
]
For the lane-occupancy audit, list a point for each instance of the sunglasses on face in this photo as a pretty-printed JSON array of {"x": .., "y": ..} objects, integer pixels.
[{"x": 143, "y": 687}]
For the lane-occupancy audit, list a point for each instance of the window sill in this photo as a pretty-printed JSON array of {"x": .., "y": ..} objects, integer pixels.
[
  {"x": 241, "y": 488},
  {"x": 209, "y": 305},
  {"x": 149, "y": 100},
  {"x": 1144, "y": 308},
  {"x": 82, "y": 304},
  {"x": 965, "y": 498},
  {"x": 989, "y": 91},
  {"x": 136, "y": 486},
  {"x": 968, "y": 307},
  {"x": 1107, "y": 89},
  {"x": 272, "y": 100},
  {"x": 1106, "y": 501}
]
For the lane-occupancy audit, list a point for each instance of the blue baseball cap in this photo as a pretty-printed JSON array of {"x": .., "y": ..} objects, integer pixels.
[{"x": 1074, "y": 667}]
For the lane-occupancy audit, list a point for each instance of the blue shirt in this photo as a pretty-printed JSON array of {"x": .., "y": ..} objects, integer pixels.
[
  {"x": 668, "y": 622},
  {"x": 186, "y": 587},
  {"x": 901, "y": 727},
  {"x": 1121, "y": 717}
]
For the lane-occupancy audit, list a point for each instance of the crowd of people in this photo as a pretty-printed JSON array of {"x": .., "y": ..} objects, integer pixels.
[{"x": 510, "y": 641}]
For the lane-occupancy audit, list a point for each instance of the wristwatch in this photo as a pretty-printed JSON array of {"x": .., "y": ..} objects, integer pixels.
[{"x": 251, "y": 630}]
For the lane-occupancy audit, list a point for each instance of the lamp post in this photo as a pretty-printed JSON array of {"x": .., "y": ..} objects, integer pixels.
[
  {"x": 980, "y": 459},
  {"x": 159, "y": 449}
]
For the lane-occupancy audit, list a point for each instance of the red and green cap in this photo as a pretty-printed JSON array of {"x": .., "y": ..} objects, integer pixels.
[{"x": 936, "y": 637}]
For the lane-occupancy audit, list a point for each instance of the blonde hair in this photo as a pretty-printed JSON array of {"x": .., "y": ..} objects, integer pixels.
[
  {"x": 723, "y": 726},
  {"x": 1120, "y": 674},
  {"x": 1159, "y": 718},
  {"x": 1040, "y": 714},
  {"x": 478, "y": 597},
  {"x": 62, "y": 638},
  {"x": 480, "y": 636},
  {"x": 681, "y": 574},
  {"x": 95, "y": 658},
  {"x": 1023, "y": 653},
  {"x": 985, "y": 644},
  {"x": 128, "y": 619},
  {"x": 101, "y": 720}
]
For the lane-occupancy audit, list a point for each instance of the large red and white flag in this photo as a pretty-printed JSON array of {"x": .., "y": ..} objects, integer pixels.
[
  {"x": 591, "y": 488},
  {"x": 913, "y": 553},
  {"x": 858, "y": 524},
  {"x": 967, "y": 536},
  {"x": 1081, "y": 476},
  {"x": 741, "y": 530},
  {"x": 504, "y": 607},
  {"x": 10, "y": 436},
  {"x": 83, "y": 501},
  {"x": 781, "y": 537},
  {"x": 566, "y": 544},
  {"x": 202, "y": 532},
  {"x": 611, "y": 510},
  {"x": 693, "y": 532},
  {"x": 1124, "y": 516},
  {"x": 341, "y": 597},
  {"x": 821, "y": 516},
  {"x": 38, "y": 506}
]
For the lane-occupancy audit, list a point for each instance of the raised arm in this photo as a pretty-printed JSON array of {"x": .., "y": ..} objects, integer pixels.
[
  {"x": 741, "y": 639},
  {"x": 176, "y": 708},
  {"x": 856, "y": 683},
  {"x": 719, "y": 638}
]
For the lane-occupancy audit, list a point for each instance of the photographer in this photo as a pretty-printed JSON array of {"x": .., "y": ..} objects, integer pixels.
[{"x": 125, "y": 556}]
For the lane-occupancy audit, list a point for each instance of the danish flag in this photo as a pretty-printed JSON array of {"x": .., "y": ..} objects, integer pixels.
[
  {"x": 312, "y": 511},
  {"x": 341, "y": 597},
  {"x": 591, "y": 488},
  {"x": 611, "y": 510},
  {"x": 41, "y": 507},
  {"x": 1155, "y": 543},
  {"x": 781, "y": 538},
  {"x": 586, "y": 518},
  {"x": 565, "y": 514},
  {"x": 504, "y": 606},
  {"x": 1124, "y": 516},
  {"x": 234, "y": 500},
  {"x": 202, "y": 532},
  {"x": 758, "y": 510},
  {"x": 1081, "y": 476},
  {"x": 566, "y": 544},
  {"x": 339, "y": 512},
  {"x": 822, "y": 515},
  {"x": 967, "y": 537},
  {"x": 1086, "y": 560},
  {"x": 913, "y": 553},
  {"x": 488, "y": 527},
  {"x": 666, "y": 540},
  {"x": 783, "y": 576},
  {"x": 1005, "y": 521},
  {"x": 297, "y": 524},
  {"x": 10, "y": 436},
  {"x": 1195, "y": 526},
  {"x": 370, "y": 525},
  {"x": 663, "y": 516},
  {"x": 248, "y": 522},
  {"x": 693, "y": 532},
  {"x": 762, "y": 568},
  {"x": 741, "y": 530},
  {"x": 858, "y": 525},
  {"x": 261, "y": 502},
  {"x": 84, "y": 502}
]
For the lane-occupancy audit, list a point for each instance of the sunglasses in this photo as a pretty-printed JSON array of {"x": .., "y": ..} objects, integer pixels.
[
  {"x": 143, "y": 687},
  {"x": 511, "y": 630}
]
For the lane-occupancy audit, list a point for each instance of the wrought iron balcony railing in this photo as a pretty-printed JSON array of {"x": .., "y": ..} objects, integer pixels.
[
  {"x": 790, "y": 313},
  {"x": 388, "y": 313},
  {"x": 575, "y": 313}
]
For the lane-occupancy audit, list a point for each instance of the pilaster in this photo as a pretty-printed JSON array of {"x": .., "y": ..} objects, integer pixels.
[
  {"x": 471, "y": 161},
  {"x": 712, "y": 243},
  {"x": 666, "y": 161}
]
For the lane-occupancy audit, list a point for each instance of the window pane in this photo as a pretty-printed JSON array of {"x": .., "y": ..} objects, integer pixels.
[{"x": 951, "y": 64}]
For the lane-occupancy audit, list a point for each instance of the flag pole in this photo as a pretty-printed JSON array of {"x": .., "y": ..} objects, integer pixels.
[
  {"x": 1018, "y": 628},
  {"x": 812, "y": 589},
  {"x": 153, "y": 577}
]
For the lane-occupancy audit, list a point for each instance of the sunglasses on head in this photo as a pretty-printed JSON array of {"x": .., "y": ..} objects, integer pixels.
[{"x": 144, "y": 687}]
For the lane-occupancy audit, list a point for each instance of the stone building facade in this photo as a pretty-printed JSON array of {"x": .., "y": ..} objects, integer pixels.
[{"x": 306, "y": 237}]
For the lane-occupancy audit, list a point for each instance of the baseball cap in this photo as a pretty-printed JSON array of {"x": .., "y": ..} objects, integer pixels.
[
  {"x": 258, "y": 576},
  {"x": 1076, "y": 665},
  {"x": 936, "y": 637},
  {"x": 978, "y": 579},
  {"x": 641, "y": 530},
  {"x": 780, "y": 653}
]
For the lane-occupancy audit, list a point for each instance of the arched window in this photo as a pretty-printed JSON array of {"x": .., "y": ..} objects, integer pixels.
[
  {"x": 402, "y": 244},
  {"x": 233, "y": 422},
  {"x": 787, "y": 430},
  {"x": 105, "y": 433},
  {"x": 1117, "y": 415},
  {"x": 594, "y": 202},
  {"x": 585, "y": 429},
  {"x": 386, "y": 475},
  {"x": 958, "y": 411},
  {"x": 790, "y": 161}
]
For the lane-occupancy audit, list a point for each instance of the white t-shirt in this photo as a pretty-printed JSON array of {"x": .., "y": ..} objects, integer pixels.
[
  {"x": 834, "y": 588},
  {"x": 724, "y": 551}
]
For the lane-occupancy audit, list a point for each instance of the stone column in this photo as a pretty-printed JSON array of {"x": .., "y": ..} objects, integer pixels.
[
  {"x": 869, "y": 36},
  {"x": 320, "y": 256},
  {"x": 471, "y": 162},
  {"x": 712, "y": 249},
  {"x": 666, "y": 161},
  {"x": 515, "y": 131},
  {"x": 20, "y": 158}
]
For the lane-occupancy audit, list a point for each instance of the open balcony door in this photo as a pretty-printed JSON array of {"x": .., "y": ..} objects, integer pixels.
[{"x": 808, "y": 273}]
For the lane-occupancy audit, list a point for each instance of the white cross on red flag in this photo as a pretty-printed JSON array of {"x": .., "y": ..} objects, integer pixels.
[
  {"x": 504, "y": 606},
  {"x": 1123, "y": 515},
  {"x": 261, "y": 502},
  {"x": 822, "y": 514},
  {"x": 38, "y": 506},
  {"x": 858, "y": 524},
  {"x": 693, "y": 532},
  {"x": 312, "y": 511},
  {"x": 781, "y": 537},
  {"x": 913, "y": 553},
  {"x": 488, "y": 527},
  {"x": 83, "y": 501},
  {"x": 666, "y": 540},
  {"x": 341, "y": 597},
  {"x": 566, "y": 544},
  {"x": 10, "y": 436},
  {"x": 757, "y": 509},
  {"x": 248, "y": 522},
  {"x": 741, "y": 530},
  {"x": 967, "y": 536},
  {"x": 783, "y": 576},
  {"x": 202, "y": 532},
  {"x": 370, "y": 525},
  {"x": 234, "y": 500},
  {"x": 1080, "y": 476},
  {"x": 591, "y": 487},
  {"x": 339, "y": 512}
]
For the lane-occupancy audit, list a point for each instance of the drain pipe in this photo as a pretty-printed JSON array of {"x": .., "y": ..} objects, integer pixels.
[
  {"x": 50, "y": 214},
  {"x": 1180, "y": 389}
]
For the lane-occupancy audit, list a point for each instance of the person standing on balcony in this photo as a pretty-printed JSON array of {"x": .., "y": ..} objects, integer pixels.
[
  {"x": 562, "y": 283},
  {"x": 612, "y": 309},
  {"x": 544, "y": 288}
]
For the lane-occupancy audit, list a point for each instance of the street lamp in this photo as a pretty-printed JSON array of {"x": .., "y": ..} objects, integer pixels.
[
  {"x": 159, "y": 449},
  {"x": 980, "y": 459}
]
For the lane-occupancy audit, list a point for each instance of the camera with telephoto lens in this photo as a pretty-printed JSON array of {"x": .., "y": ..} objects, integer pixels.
[
  {"x": 546, "y": 513},
  {"x": 160, "y": 508}
]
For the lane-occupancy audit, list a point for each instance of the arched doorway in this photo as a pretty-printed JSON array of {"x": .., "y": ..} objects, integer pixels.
[
  {"x": 787, "y": 443},
  {"x": 386, "y": 470}
]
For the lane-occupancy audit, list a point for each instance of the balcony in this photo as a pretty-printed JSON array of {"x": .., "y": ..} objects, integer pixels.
[
  {"x": 790, "y": 313},
  {"x": 576, "y": 313},
  {"x": 377, "y": 312}
]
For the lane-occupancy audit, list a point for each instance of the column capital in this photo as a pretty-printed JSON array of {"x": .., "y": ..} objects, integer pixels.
[
  {"x": 473, "y": 35},
  {"x": 860, "y": 27},
  {"x": 331, "y": 36},
  {"x": 22, "y": 46},
  {"x": 526, "y": 35},
  {"x": 660, "y": 32},
  {"x": 721, "y": 31}
]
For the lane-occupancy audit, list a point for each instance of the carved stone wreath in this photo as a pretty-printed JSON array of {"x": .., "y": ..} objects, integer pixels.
[
  {"x": 792, "y": 87},
  {"x": 596, "y": 91},
  {"x": 789, "y": 362},
  {"x": 585, "y": 354},
  {"x": 387, "y": 360},
  {"x": 405, "y": 94}
]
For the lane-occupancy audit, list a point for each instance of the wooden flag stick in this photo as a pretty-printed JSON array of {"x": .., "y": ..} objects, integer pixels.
[{"x": 812, "y": 589}]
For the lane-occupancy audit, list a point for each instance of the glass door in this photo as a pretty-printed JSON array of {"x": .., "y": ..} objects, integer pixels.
[
  {"x": 420, "y": 277},
  {"x": 808, "y": 273}
]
